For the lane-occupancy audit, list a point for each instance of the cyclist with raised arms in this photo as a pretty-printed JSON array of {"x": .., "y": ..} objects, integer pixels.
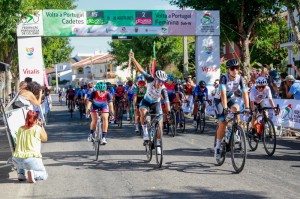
[
  {"x": 200, "y": 94},
  {"x": 139, "y": 94},
  {"x": 103, "y": 100},
  {"x": 119, "y": 97},
  {"x": 258, "y": 93},
  {"x": 155, "y": 89},
  {"x": 130, "y": 87},
  {"x": 224, "y": 101}
]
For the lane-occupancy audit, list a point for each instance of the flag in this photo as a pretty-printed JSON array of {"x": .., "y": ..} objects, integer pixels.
[
  {"x": 129, "y": 61},
  {"x": 153, "y": 61}
]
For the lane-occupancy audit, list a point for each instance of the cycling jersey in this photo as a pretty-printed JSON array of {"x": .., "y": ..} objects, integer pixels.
[
  {"x": 80, "y": 93},
  {"x": 172, "y": 89},
  {"x": 70, "y": 92},
  {"x": 199, "y": 93},
  {"x": 231, "y": 86},
  {"x": 119, "y": 91},
  {"x": 257, "y": 97},
  {"x": 111, "y": 90},
  {"x": 140, "y": 92},
  {"x": 100, "y": 101},
  {"x": 153, "y": 94},
  {"x": 130, "y": 91},
  {"x": 188, "y": 89},
  {"x": 88, "y": 92}
]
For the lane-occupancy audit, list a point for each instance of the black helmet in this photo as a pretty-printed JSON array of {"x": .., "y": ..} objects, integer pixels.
[
  {"x": 202, "y": 83},
  {"x": 232, "y": 62}
]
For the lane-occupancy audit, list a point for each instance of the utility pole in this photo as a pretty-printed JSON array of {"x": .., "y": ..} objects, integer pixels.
[
  {"x": 56, "y": 78},
  {"x": 185, "y": 55}
]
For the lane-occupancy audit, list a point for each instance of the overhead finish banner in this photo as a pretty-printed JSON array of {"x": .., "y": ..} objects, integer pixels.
[
  {"x": 31, "y": 59},
  {"x": 130, "y": 22}
]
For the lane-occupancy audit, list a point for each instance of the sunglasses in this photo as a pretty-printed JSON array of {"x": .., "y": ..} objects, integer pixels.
[
  {"x": 232, "y": 68},
  {"x": 202, "y": 86},
  {"x": 260, "y": 87},
  {"x": 160, "y": 81}
]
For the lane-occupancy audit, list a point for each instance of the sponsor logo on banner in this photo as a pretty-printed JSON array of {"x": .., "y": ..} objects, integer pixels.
[
  {"x": 31, "y": 19},
  {"x": 206, "y": 69},
  {"x": 208, "y": 49},
  {"x": 286, "y": 113},
  {"x": 207, "y": 19},
  {"x": 143, "y": 21},
  {"x": 164, "y": 30},
  {"x": 29, "y": 51},
  {"x": 123, "y": 29}
]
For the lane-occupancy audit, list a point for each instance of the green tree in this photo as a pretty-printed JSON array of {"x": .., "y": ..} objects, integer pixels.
[
  {"x": 12, "y": 13},
  {"x": 291, "y": 6},
  {"x": 265, "y": 48},
  {"x": 238, "y": 18},
  {"x": 168, "y": 50}
]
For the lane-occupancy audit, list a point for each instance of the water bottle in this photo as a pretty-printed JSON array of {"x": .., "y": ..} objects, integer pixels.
[
  {"x": 228, "y": 134},
  {"x": 152, "y": 132}
]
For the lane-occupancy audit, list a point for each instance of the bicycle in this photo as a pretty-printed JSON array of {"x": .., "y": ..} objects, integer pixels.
[
  {"x": 81, "y": 106},
  {"x": 265, "y": 131},
  {"x": 180, "y": 119},
  {"x": 97, "y": 135},
  {"x": 71, "y": 106},
  {"x": 235, "y": 143},
  {"x": 119, "y": 104},
  {"x": 172, "y": 124},
  {"x": 200, "y": 118},
  {"x": 154, "y": 129}
]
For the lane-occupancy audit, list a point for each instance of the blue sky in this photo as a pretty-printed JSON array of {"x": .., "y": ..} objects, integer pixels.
[{"x": 89, "y": 44}]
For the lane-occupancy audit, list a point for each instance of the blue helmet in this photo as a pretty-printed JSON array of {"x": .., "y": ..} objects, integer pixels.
[{"x": 170, "y": 77}]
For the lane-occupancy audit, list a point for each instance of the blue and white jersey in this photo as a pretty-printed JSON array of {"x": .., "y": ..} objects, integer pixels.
[
  {"x": 153, "y": 94},
  {"x": 88, "y": 92},
  {"x": 231, "y": 86},
  {"x": 130, "y": 90}
]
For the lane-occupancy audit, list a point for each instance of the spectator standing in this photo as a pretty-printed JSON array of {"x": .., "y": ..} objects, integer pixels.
[
  {"x": 27, "y": 155},
  {"x": 292, "y": 87},
  {"x": 282, "y": 88}
]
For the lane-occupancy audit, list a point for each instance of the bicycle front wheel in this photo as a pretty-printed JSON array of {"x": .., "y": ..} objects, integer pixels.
[
  {"x": 148, "y": 147},
  {"x": 238, "y": 148},
  {"x": 202, "y": 122},
  {"x": 120, "y": 115},
  {"x": 253, "y": 143},
  {"x": 269, "y": 137},
  {"x": 158, "y": 143},
  {"x": 182, "y": 121},
  {"x": 97, "y": 140}
]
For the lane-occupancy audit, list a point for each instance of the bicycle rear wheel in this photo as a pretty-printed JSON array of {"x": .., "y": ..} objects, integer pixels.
[
  {"x": 269, "y": 137},
  {"x": 172, "y": 124},
  {"x": 238, "y": 148},
  {"x": 148, "y": 146},
  {"x": 222, "y": 149},
  {"x": 158, "y": 143},
  {"x": 253, "y": 143}
]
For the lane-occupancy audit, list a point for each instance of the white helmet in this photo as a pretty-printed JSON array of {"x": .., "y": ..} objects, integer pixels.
[
  {"x": 161, "y": 75},
  {"x": 261, "y": 81},
  {"x": 120, "y": 83}
]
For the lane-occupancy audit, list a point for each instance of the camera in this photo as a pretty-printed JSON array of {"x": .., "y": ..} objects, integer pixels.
[{"x": 289, "y": 65}]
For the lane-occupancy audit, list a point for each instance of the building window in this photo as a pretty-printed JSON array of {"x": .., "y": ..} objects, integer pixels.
[
  {"x": 80, "y": 70},
  {"x": 231, "y": 47}
]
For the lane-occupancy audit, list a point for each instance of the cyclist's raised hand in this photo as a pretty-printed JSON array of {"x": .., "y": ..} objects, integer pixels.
[{"x": 131, "y": 55}]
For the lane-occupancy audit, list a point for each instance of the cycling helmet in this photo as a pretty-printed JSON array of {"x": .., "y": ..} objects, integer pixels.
[
  {"x": 81, "y": 87},
  {"x": 101, "y": 86},
  {"x": 108, "y": 85},
  {"x": 130, "y": 82},
  {"x": 178, "y": 81},
  {"x": 232, "y": 62},
  {"x": 261, "y": 81},
  {"x": 120, "y": 83},
  {"x": 161, "y": 75},
  {"x": 70, "y": 86},
  {"x": 139, "y": 78},
  {"x": 85, "y": 86},
  {"x": 170, "y": 77},
  {"x": 141, "y": 83},
  {"x": 202, "y": 83}
]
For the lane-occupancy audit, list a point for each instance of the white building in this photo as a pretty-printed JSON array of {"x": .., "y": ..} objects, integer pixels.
[
  {"x": 287, "y": 40},
  {"x": 97, "y": 68}
]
